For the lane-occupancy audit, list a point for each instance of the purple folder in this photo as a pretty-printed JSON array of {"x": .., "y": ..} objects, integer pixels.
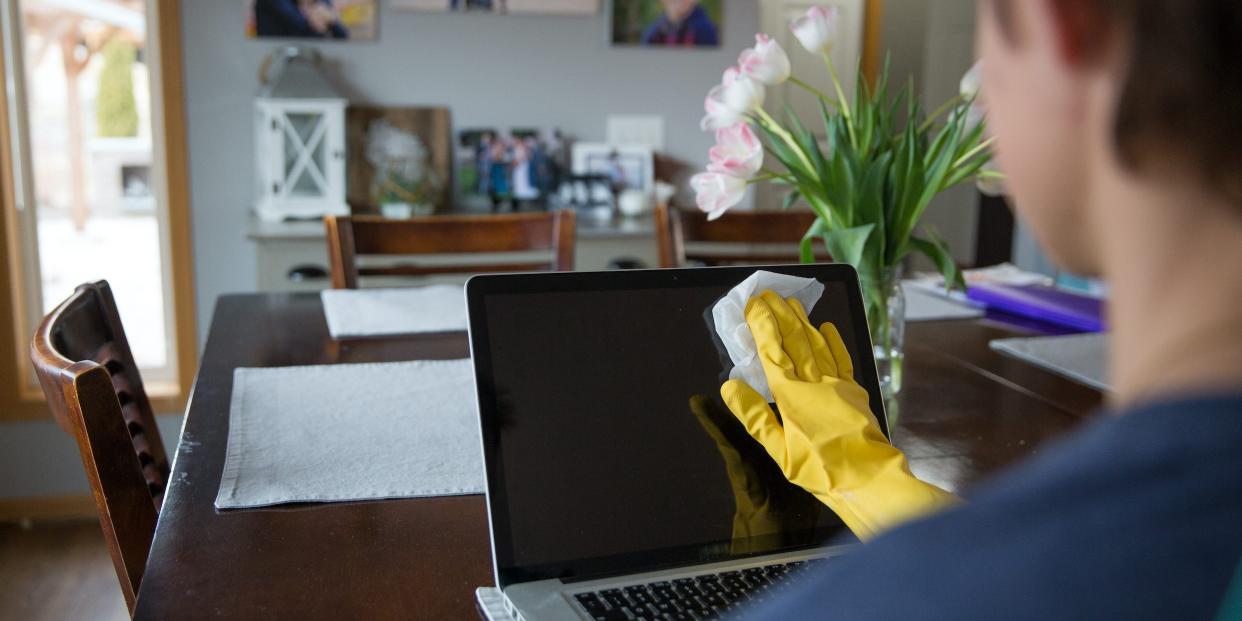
[{"x": 1048, "y": 304}]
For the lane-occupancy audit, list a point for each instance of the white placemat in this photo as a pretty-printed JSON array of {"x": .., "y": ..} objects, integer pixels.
[
  {"x": 924, "y": 306},
  {"x": 1079, "y": 357},
  {"x": 351, "y": 432},
  {"x": 375, "y": 312}
]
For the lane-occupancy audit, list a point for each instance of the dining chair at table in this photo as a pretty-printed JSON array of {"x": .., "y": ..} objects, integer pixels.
[
  {"x": 350, "y": 238},
  {"x": 685, "y": 238},
  {"x": 93, "y": 388}
]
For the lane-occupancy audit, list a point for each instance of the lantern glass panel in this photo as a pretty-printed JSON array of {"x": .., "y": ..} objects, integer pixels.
[{"x": 304, "y": 154}]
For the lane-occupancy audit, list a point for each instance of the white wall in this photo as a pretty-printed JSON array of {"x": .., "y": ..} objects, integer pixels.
[{"x": 489, "y": 70}]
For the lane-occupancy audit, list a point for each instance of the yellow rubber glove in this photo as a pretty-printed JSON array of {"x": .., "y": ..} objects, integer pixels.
[
  {"x": 827, "y": 440},
  {"x": 769, "y": 512}
]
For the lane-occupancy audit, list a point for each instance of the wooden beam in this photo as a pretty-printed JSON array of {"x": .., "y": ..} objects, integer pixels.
[
  {"x": 175, "y": 145},
  {"x": 873, "y": 39}
]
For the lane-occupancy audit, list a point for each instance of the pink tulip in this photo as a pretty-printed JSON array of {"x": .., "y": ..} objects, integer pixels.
[
  {"x": 718, "y": 114},
  {"x": 817, "y": 30},
  {"x": 744, "y": 95},
  {"x": 737, "y": 153},
  {"x": 728, "y": 103},
  {"x": 716, "y": 193},
  {"x": 766, "y": 62}
]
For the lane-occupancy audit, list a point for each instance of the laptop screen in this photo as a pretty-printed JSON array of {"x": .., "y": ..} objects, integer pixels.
[{"x": 608, "y": 447}]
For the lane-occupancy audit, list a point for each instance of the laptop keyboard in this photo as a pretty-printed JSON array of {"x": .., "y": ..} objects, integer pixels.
[{"x": 706, "y": 596}]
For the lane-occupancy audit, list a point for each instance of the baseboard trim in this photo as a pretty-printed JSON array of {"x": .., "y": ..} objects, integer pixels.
[{"x": 47, "y": 508}]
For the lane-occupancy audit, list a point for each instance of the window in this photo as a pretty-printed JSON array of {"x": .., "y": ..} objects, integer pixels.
[{"x": 94, "y": 181}]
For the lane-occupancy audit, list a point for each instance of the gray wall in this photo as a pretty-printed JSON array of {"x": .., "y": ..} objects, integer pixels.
[
  {"x": 489, "y": 70},
  {"x": 560, "y": 72},
  {"x": 38, "y": 459}
]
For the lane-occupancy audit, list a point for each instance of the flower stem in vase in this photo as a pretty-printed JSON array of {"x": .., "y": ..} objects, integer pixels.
[{"x": 886, "y": 309}]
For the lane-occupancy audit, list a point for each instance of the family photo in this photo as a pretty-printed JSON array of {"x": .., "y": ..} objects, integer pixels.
[
  {"x": 312, "y": 19},
  {"x": 515, "y": 7},
  {"x": 667, "y": 23},
  {"x": 518, "y": 169}
]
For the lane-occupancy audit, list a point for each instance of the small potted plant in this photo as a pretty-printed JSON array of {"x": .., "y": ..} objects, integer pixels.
[{"x": 402, "y": 185}]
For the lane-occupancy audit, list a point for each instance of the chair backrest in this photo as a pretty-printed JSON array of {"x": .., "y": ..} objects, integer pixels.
[
  {"x": 683, "y": 237},
  {"x": 92, "y": 386},
  {"x": 352, "y": 237}
]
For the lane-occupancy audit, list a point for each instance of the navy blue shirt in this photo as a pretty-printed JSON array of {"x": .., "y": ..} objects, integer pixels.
[
  {"x": 696, "y": 29},
  {"x": 282, "y": 18},
  {"x": 1135, "y": 517}
]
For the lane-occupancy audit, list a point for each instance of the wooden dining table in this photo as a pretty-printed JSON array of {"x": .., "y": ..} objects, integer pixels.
[{"x": 964, "y": 412}]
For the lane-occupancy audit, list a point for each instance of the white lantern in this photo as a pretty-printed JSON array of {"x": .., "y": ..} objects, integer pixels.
[{"x": 299, "y": 140}]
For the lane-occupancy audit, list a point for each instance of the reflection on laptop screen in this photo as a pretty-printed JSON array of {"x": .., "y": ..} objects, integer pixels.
[{"x": 614, "y": 446}]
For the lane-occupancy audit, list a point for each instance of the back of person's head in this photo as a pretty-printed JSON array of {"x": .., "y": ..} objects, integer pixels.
[
  {"x": 1152, "y": 84},
  {"x": 1182, "y": 94}
]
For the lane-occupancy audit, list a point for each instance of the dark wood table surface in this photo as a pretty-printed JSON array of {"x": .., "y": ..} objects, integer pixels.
[{"x": 965, "y": 412}]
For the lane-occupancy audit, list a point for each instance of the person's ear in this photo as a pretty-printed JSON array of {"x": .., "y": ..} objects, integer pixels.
[{"x": 1079, "y": 29}]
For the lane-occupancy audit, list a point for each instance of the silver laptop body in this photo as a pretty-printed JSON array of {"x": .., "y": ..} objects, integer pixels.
[{"x": 532, "y": 337}]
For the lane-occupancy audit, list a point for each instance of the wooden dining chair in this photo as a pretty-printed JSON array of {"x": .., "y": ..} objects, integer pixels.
[
  {"x": 93, "y": 389},
  {"x": 352, "y": 237},
  {"x": 736, "y": 238}
]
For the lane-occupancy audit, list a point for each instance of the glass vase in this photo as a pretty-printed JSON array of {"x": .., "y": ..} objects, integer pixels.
[{"x": 886, "y": 319}]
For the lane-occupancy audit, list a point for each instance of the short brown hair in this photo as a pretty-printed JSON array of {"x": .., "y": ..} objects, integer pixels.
[{"x": 1182, "y": 95}]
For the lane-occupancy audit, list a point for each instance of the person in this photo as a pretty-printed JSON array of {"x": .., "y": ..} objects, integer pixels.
[
  {"x": 525, "y": 186},
  {"x": 298, "y": 18},
  {"x": 618, "y": 181},
  {"x": 1116, "y": 123},
  {"x": 683, "y": 23},
  {"x": 483, "y": 163},
  {"x": 498, "y": 175}
]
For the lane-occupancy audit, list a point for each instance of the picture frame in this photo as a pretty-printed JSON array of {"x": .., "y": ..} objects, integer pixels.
[
  {"x": 512, "y": 169},
  {"x": 398, "y": 154},
  {"x": 502, "y": 7},
  {"x": 660, "y": 24},
  {"x": 331, "y": 20},
  {"x": 628, "y": 167}
]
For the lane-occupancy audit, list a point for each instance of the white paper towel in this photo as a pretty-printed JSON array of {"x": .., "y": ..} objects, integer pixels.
[
  {"x": 351, "y": 432},
  {"x": 375, "y": 312},
  {"x": 729, "y": 318}
]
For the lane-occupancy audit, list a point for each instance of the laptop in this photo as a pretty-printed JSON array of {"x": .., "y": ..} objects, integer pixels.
[{"x": 619, "y": 485}]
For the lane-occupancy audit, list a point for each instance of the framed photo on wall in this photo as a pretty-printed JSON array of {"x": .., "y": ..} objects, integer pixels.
[
  {"x": 343, "y": 20},
  {"x": 667, "y": 23},
  {"x": 509, "y": 7}
]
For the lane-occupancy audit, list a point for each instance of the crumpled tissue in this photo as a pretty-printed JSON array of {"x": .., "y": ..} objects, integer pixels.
[{"x": 729, "y": 318}]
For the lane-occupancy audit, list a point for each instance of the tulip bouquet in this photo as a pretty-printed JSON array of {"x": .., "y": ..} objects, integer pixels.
[{"x": 868, "y": 185}]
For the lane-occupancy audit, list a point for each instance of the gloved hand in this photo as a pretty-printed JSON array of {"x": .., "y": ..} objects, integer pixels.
[
  {"x": 769, "y": 512},
  {"x": 827, "y": 440}
]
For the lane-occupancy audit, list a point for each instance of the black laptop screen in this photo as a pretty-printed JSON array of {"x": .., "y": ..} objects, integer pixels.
[{"x": 608, "y": 446}]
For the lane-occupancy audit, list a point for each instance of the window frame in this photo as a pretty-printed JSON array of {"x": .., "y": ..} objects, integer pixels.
[{"x": 20, "y": 397}]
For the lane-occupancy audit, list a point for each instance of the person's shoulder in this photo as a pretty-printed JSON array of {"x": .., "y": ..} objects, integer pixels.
[
  {"x": 1133, "y": 517},
  {"x": 706, "y": 32}
]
